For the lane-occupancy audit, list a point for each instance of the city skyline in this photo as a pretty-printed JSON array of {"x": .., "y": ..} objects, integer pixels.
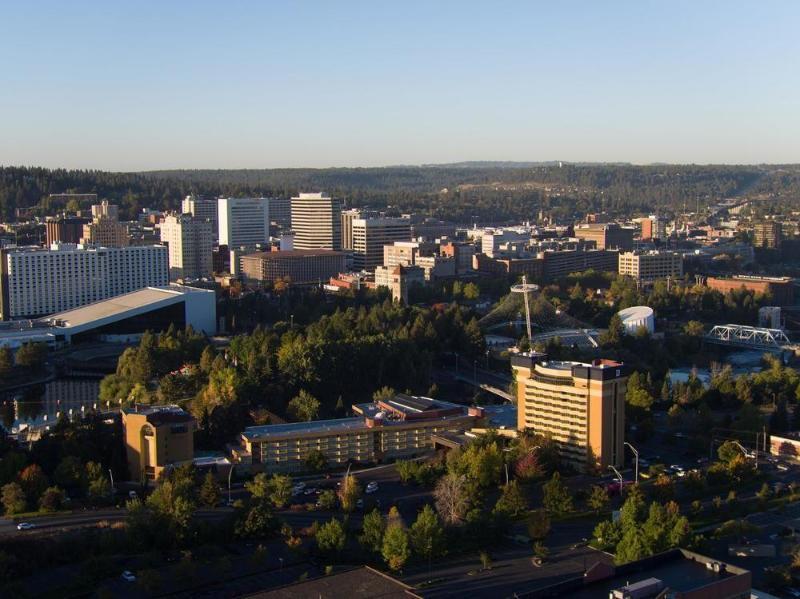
[{"x": 203, "y": 86}]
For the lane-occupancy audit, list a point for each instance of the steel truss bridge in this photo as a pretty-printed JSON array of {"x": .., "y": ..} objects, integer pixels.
[{"x": 737, "y": 335}]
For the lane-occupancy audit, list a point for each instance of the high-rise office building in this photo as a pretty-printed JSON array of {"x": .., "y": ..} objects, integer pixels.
[
  {"x": 301, "y": 267},
  {"x": 35, "y": 282},
  {"x": 280, "y": 213},
  {"x": 202, "y": 209},
  {"x": 370, "y": 235},
  {"x": 317, "y": 222},
  {"x": 189, "y": 243},
  {"x": 580, "y": 406},
  {"x": 243, "y": 221},
  {"x": 348, "y": 216}
]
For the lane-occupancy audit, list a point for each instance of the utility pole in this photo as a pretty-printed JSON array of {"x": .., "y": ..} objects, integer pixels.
[{"x": 635, "y": 453}]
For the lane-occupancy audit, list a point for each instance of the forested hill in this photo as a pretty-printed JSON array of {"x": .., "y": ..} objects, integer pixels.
[{"x": 490, "y": 192}]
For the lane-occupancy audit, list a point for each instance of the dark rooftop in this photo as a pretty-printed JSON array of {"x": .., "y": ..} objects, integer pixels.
[{"x": 359, "y": 583}]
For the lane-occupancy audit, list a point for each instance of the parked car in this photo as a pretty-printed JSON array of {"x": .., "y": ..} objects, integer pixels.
[
  {"x": 372, "y": 487},
  {"x": 132, "y": 494},
  {"x": 25, "y": 526},
  {"x": 128, "y": 576}
]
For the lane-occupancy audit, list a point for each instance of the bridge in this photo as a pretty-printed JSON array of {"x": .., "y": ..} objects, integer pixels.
[{"x": 737, "y": 335}]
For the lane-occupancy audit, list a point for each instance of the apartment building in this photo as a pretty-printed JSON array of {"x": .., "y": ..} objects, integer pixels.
[
  {"x": 768, "y": 235},
  {"x": 396, "y": 428},
  {"x": 607, "y": 236},
  {"x": 189, "y": 242},
  {"x": 35, "y": 281},
  {"x": 203, "y": 209},
  {"x": 581, "y": 406},
  {"x": 301, "y": 267},
  {"x": 317, "y": 222},
  {"x": 370, "y": 235},
  {"x": 651, "y": 265},
  {"x": 156, "y": 438},
  {"x": 243, "y": 221}
]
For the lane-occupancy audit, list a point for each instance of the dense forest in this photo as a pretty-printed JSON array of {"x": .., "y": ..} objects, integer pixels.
[{"x": 487, "y": 192}]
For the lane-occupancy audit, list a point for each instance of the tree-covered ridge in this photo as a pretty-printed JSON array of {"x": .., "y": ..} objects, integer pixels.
[{"x": 488, "y": 193}]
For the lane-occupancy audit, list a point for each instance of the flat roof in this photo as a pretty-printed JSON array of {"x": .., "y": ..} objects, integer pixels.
[
  {"x": 119, "y": 305},
  {"x": 327, "y": 426},
  {"x": 293, "y": 254},
  {"x": 678, "y": 571},
  {"x": 358, "y": 583}
]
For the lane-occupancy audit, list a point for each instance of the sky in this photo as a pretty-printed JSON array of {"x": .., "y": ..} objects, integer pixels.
[{"x": 143, "y": 85}]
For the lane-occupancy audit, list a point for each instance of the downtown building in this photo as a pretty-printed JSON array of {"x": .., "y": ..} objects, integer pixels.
[
  {"x": 607, "y": 236},
  {"x": 105, "y": 229},
  {"x": 202, "y": 209},
  {"x": 36, "y": 282},
  {"x": 243, "y": 222},
  {"x": 580, "y": 406},
  {"x": 189, "y": 241},
  {"x": 317, "y": 222},
  {"x": 300, "y": 267},
  {"x": 371, "y": 235}
]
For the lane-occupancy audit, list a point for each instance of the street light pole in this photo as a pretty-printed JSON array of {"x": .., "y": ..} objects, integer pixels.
[
  {"x": 111, "y": 474},
  {"x": 230, "y": 473},
  {"x": 636, "y": 454},
  {"x": 619, "y": 476}
]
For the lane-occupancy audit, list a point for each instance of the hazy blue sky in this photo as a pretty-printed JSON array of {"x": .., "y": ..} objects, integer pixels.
[{"x": 270, "y": 84}]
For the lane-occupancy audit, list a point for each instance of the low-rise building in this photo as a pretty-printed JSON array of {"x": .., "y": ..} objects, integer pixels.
[
  {"x": 301, "y": 267},
  {"x": 780, "y": 289},
  {"x": 395, "y": 428},
  {"x": 157, "y": 438},
  {"x": 607, "y": 236}
]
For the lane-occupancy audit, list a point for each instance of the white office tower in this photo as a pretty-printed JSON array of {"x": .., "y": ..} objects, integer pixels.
[
  {"x": 317, "y": 222},
  {"x": 37, "y": 281},
  {"x": 370, "y": 235},
  {"x": 202, "y": 209},
  {"x": 189, "y": 241},
  {"x": 243, "y": 221}
]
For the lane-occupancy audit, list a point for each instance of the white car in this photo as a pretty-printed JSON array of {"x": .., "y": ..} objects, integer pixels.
[
  {"x": 372, "y": 487},
  {"x": 25, "y": 526},
  {"x": 128, "y": 576},
  {"x": 300, "y": 485}
]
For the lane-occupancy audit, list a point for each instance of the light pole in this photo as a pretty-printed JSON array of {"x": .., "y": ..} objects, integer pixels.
[
  {"x": 619, "y": 476},
  {"x": 111, "y": 474},
  {"x": 745, "y": 452},
  {"x": 636, "y": 454},
  {"x": 291, "y": 320},
  {"x": 230, "y": 473}
]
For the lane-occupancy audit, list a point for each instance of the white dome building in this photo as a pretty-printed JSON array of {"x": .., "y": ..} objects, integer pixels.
[{"x": 636, "y": 317}]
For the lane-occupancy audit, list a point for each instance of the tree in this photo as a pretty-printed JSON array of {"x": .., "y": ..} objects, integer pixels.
[
  {"x": 612, "y": 337},
  {"x": 538, "y": 524},
  {"x": 528, "y": 467},
  {"x": 33, "y": 482},
  {"x": 327, "y": 500},
  {"x": 6, "y": 361},
  {"x": 70, "y": 473},
  {"x": 632, "y": 546},
  {"x": 598, "y": 499},
  {"x": 452, "y": 500},
  {"x": 371, "y": 537},
  {"x": 406, "y": 470},
  {"x": 349, "y": 493},
  {"x": 728, "y": 451},
  {"x": 51, "y": 500},
  {"x": 259, "y": 486},
  {"x": 663, "y": 487},
  {"x": 395, "y": 549},
  {"x": 694, "y": 328},
  {"x": 13, "y": 499},
  {"x": 258, "y": 521},
  {"x": 608, "y": 534},
  {"x": 32, "y": 355},
  {"x": 331, "y": 537},
  {"x": 384, "y": 394},
  {"x": 511, "y": 500},
  {"x": 316, "y": 460},
  {"x": 427, "y": 534},
  {"x": 634, "y": 510},
  {"x": 280, "y": 490},
  {"x": 471, "y": 291},
  {"x": 304, "y": 406},
  {"x": 209, "y": 491},
  {"x": 557, "y": 499}
]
